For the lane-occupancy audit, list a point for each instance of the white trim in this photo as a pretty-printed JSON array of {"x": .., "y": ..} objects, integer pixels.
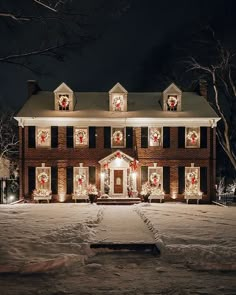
[
  {"x": 117, "y": 122},
  {"x": 63, "y": 88},
  {"x": 118, "y": 86}
]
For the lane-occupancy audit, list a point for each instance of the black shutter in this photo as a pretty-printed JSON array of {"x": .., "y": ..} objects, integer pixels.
[
  {"x": 181, "y": 179},
  {"x": 69, "y": 180},
  {"x": 69, "y": 137},
  {"x": 144, "y": 174},
  {"x": 54, "y": 179},
  {"x": 203, "y": 138},
  {"x": 181, "y": 137},
  {"x": 31, "y": 136},
  {"x": 166, "y": 179},
  {"x": 54, "y": 136},
  {"x": 92, "y": 174},
  {"x": 92, "y": 137},
  {"x": 203, "y": 179},
  {"x": 144, "y": 137},
  {"x": 31, "y": 179},
  {"x": 129, "y": 137},
  {"x": 166, "y": 137},
  {"x": 107, "y": 137}
]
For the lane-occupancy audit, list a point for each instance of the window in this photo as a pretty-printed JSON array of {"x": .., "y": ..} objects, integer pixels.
[
  {"x": 63, "y": 102},
  {"x": 203, "y": 137},
  {"x": 43, "y": 136},
  {"x": 118, "y": 137},
  {"x": 166, "y": 137},
  {"x": 192, "y": 137},
  {"x": 54, "y": 176},
  {"x": 181, "y": 137},
  {"x": 144, "y": 174},
  {"x": 166, "y": 179},
  {"x": 155, "y": 136},
  {"x": 92, "y": 175},
  {"x": 31, "y": 179},
  {"x": 80, "y": 137},
  {"x": 69, "y": 180}
]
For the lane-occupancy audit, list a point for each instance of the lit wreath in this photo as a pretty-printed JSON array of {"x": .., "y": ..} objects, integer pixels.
[
  {"x": 118, "y": 102},
  {"x": 192, "y": 178},
  {"x": 64, "y": 101},
  {"x": 172, "y": 101},
  {"x": 80, "y": 136},
  {"x": 192, "y": 136},
  {"x": 118, "y": 136},
  {"x": 43, "y": 135},
  {"x": 80, "y": 178},
  {"x": 155, "y": 135},
  {"x": 155, "y": 178},
  {"x": 43, "y": 177}
]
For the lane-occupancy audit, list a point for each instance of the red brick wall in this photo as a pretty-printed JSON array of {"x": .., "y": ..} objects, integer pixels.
[{"x": 172, "y": 157}]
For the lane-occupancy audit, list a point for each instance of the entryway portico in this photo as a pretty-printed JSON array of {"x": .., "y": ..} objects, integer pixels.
[{"x": 117, "y": 175}]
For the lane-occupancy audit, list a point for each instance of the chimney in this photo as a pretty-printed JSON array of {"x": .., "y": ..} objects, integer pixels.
[
  {"x": 33, "y": 87},
  {"x": 203, "y": 88}
]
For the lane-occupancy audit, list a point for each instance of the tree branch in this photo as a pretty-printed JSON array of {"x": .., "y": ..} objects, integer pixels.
[{"x": 16, "y": 18}]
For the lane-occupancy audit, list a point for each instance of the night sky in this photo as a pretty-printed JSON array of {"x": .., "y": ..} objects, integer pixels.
[{"x": 131, "y": 46}]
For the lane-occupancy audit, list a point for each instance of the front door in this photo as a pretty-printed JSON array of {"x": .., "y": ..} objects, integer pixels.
[{"x": 118, "y": 181}]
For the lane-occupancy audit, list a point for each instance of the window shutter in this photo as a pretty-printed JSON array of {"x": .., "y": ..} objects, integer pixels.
[
  {"x": 181, "y": 137},
  {"x": 203, "y": 179},
  {"x": 203, "y": 138},
  {"x": 69, "y": 137},
  {"x": 31, "y": 136},
  {"x": 107, "y": 137},
  {"x": 92, "y": 174},
  {"x": 144, "y": 137},
  {"x": 166, "y": 137},
  {"x": 31, "y": 179},
  {"x": 144, "y": 174},
  {"x": 129, "y": 137},
  {"x": 181, "y": 179},
  {"x": 54, "y": 179},
  {"x": 54, "y": 136},
  {"x": 166, "y": 179},
  {"x": 92, "y": 137},
  {"x": 69, "y": 180}
]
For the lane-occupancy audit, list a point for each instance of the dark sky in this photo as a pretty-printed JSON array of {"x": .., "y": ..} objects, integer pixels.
[{"x": 131, "y": 49}]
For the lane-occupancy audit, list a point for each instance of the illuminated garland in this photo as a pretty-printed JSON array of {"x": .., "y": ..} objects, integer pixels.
[
  {"x": 172, "y": 102},
  {"x": 192, "y": 136},
  {"x": 155, "y": 135},
  {"x": 43, "y": 135},
  {"x": 64, "y": 101},
  {"x": 118, "y": 136},
  {"x": 155, "y": 178},
  {"x": 43, "y": 178}
]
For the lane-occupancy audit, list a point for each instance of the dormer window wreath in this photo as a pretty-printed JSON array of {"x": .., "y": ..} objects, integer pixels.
[
  {"x": 172, "y": 102},
  {"x": 64, "y": 101}
]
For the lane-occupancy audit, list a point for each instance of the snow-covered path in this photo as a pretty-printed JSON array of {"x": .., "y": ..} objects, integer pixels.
[{"x": 121, "y": 224}]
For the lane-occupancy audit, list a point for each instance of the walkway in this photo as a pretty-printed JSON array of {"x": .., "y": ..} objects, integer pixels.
[{"x": 122, "y": 225}]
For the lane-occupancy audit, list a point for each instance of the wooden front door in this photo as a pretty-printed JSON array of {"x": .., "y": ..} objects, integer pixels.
[{"x": 118, "y": 181}]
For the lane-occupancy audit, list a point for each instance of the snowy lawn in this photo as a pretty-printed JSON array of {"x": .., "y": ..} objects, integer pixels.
[
  {"x": 200, "y": 236},
  {"x": 44, "y": 250}
]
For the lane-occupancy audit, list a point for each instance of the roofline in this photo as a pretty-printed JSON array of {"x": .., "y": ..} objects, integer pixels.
[{"x": 117, "y": 122}]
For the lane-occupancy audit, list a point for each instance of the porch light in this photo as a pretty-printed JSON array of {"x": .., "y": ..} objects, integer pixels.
[{"x": 102, "y": 174}]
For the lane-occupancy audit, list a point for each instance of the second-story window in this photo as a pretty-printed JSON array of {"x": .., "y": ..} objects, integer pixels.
[
  {"x": 155, "y": 136},
  {"x": 118, "y": 137}
]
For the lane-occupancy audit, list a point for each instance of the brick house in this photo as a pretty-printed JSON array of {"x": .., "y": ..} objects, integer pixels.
[{"x": 117, "y": 139}]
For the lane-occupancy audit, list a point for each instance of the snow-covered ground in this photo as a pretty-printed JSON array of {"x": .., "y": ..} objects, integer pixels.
[{"x": 45, "y": 249}]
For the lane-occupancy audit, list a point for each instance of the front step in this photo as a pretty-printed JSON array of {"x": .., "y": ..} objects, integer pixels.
[{"x": 118, "y": 201}]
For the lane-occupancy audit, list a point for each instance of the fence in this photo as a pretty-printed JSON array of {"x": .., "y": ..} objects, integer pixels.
[{"x": 226, "y": 198}]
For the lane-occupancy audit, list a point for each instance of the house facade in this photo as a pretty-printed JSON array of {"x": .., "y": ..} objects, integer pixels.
[{"x": 117, "y": 140}]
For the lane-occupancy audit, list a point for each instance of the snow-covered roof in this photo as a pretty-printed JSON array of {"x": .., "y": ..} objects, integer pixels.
[{"x": 96, "y": 104}]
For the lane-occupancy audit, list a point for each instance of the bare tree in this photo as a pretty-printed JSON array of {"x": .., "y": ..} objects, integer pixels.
[{"x": 219, "y": 70}]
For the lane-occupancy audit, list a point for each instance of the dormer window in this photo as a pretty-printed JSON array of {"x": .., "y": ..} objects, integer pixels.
[
  {"x": 172, "y": 97},
  {"x": 63, "y": 98},
  {"x": 118, "y": 98}
]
